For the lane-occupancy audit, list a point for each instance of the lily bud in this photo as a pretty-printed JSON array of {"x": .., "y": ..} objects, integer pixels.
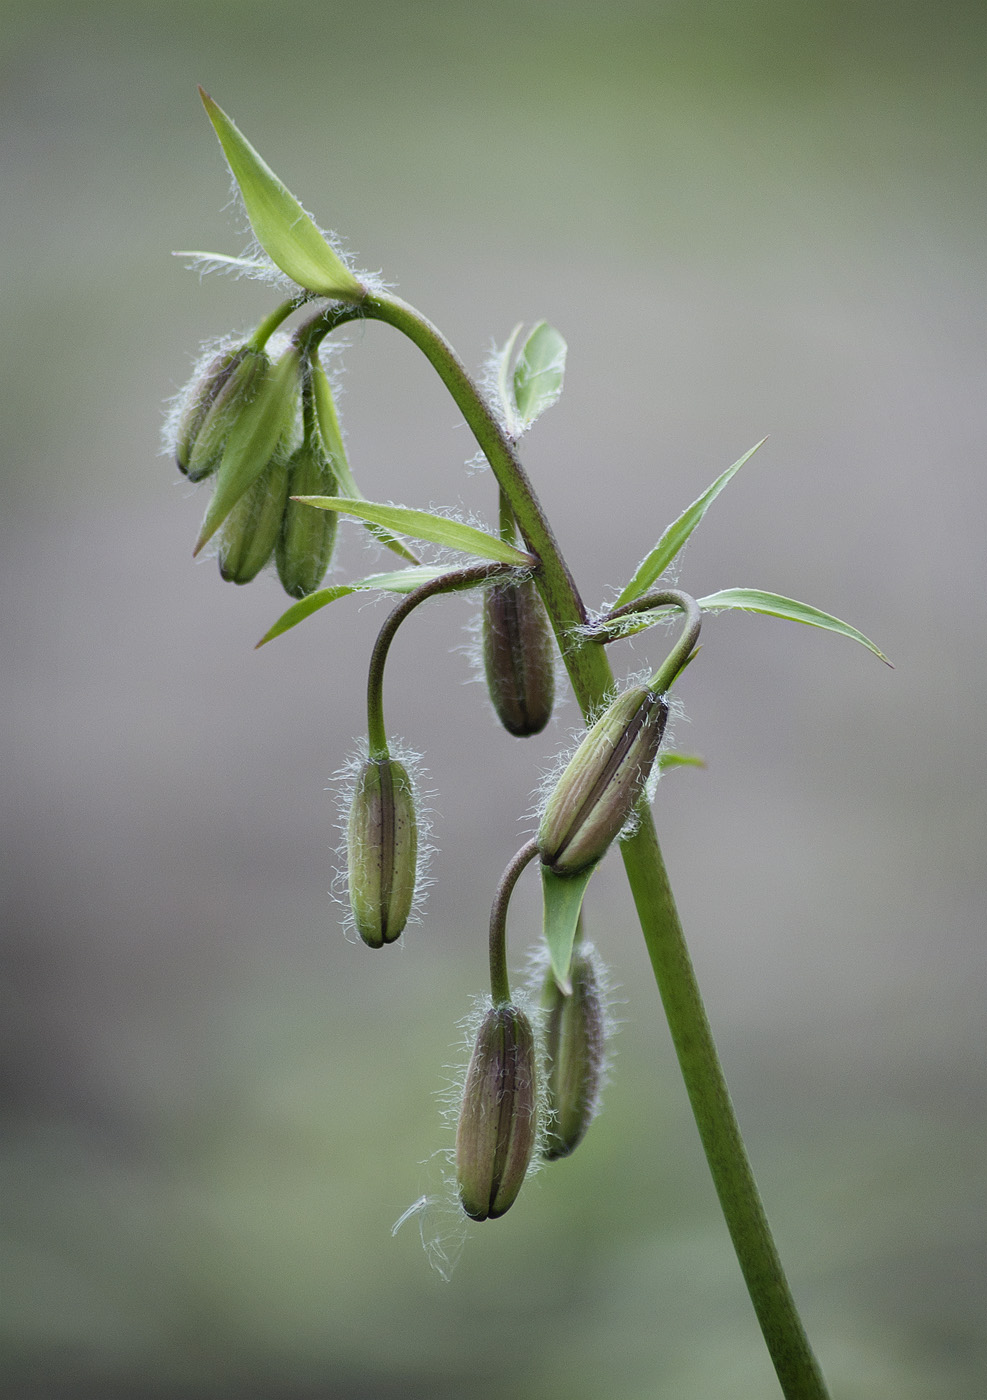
[
  {"x": 517, "y": 657},
  {"x": 382, "y": 851},
  {"x": 307, "y": 535},
  {"x": 250, "y": 531},
  {"x": 574, "y": 1037},
  {"x": 227, "y": 385},
  {"x": 597, "y": 792},
  {"x": 498, "y": 1119}
]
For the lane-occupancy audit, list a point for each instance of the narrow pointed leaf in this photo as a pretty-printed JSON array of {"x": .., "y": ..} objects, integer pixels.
[
  {"x": 332, "y": 437},
  {"x": 655, "y": 564},
  {"x": 208, "y": 260},
  {"x": 423, "y": 526},
  {"x": 401, "y": 581},
  {"x": 505, "y": 386},
  {"x": 252, "y": 442},
  {"x": 774, "y": 605},
  {"x": 680, "y": 760},
  {"x": 538, "y": 373},
  {"x": 563, "y": 898},
  {"x": 283, "y": 229}
]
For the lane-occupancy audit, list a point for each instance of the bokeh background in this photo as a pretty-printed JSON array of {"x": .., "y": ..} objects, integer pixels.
[{"x": 746, "y": 219}]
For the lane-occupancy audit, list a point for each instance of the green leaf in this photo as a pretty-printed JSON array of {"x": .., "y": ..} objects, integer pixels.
[
  {"x": 252, "y": 265},
  {"x": 332, "y": 437},
  {"x": 423, "y": 526},
  {"x": 401, "y": 581},
  {"x": 676, "y": 535},
  {"x": 755, "y": 600},
  {"x": 252, "y": 441},
  {"x": 283, "y": 229},
  {"x": 680, "y": 760},
  {"x": 563, "y": 896},
  {"x": 538, "y": 373},
  {"x": 505, "y": 389}
]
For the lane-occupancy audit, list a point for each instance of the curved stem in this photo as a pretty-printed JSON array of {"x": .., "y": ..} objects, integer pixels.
[
  {"x": 500, "y": 987},
  {"x": 270, "y": 323},
  {"x": 449, "y": 583},
  {"x": 678, "y": 657},
  {"x": 592, "y": 678}
]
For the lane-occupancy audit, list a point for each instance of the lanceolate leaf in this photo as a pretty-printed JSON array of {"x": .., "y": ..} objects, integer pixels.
[
  {"x": 755, "y": 600},
  {"x": 538, "y": 373},
  {"x": 676, "y": 535},
  {"x": 563, "y": 896},
  {"x": 283, "y": 229},
  {"x": 332, "y": 437},
  {"x": 402, "y": 581},
  {"x": 422, "y": 526},
  {"x": 252, "y": 441}
]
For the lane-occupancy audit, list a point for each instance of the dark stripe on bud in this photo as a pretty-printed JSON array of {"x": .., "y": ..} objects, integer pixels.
[
  {"x": 498, "y": 1119},
  {"x": 517, "y": 657},
  {"x": 305, "y": 543},
  {"x": 382, "y": 851},
  {"x": 574, "y": 1043},
  {"x": 227, "y": 385},
  {"x": 251, "y": 529},
  {"x": 597, "y": 792}
]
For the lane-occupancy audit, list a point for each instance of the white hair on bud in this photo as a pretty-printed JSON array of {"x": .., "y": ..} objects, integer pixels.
[
  {"x": 345, "y": 781},
  {"x": 176, "y": 405}
]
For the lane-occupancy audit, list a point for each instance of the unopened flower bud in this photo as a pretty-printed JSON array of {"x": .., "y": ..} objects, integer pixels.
[
  {"x": 305, "y": 543},
  {"x": 574, "y": 1043},
  {"x": 517, "y": 656},
  {"x": 498, "y": 1119},
  {"x": 382, "y": 851},
  {"x": 228, "y": 383},
  {"x": 251, "y": 529},
  {"x": 597, "y": 792}
]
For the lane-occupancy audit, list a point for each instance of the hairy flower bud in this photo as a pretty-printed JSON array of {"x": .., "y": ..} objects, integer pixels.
[
  {"x": 498, "y": 1119},
  {"x": 597, "y": 792},
  {"x": 251, "y": 529},
  {"x": 517, "y": 657},
  {"x": 228, "y": 383},
  {"x": 574, "y": 1037},
  {"x": 382, "y": 850},
  {"x": 305, "y": 543}
]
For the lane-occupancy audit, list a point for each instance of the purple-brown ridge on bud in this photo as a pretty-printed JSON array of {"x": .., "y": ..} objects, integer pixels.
[
  {"x": 228, "y": 384},
  {"x": 574, "y": 1042},
  {"x": 597, "y": 792},
  {"x": 517, "y": 657},
  {"x": 498, "y": 1119},
  {"x": 382, "y": 851}
]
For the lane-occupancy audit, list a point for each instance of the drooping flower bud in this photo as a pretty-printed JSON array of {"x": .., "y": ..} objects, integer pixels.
[
  {"x": 574, "y": 1044},
  {"x": 250, "y": 531},
  {"x": 597, "y": 792},
  {"x": 382, "y": 850},
  {"x": 305, "y": 543},
  {"x": 517, "y": 656},
  {"x": 228, "y": 383},
  {"x": 498, "y": 1119}
]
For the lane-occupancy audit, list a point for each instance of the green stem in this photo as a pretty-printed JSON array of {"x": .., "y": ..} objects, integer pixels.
[
  {"x": 452, "y": 582},
  {"x": 797, "y": 1368},
  {"x": 270, "y": 323},
  {"x": 592, "y": 678},
  {"x": 500, "y": 987}
]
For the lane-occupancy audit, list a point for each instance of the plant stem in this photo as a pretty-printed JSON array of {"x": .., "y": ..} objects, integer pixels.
[
  {"x": 591, "y": 677},
  {"x": 500, "y": 987}
]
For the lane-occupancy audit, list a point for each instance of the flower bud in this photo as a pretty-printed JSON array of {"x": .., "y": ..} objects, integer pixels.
[
  {"x": 597, "y": 792},
  {"x": 228, "y": 383},
  {"x": 574, "y": 1037},
  {"x": 305, "y": 543},
  {"x": 517, "y": 656},
  {"x": 382, "y": 851},
  {"x": 250, "y": 531},
  {"x": 499, "y": 1115}
]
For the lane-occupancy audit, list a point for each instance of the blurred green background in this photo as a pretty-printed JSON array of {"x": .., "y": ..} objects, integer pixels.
[{"x": 746, "y": 219}]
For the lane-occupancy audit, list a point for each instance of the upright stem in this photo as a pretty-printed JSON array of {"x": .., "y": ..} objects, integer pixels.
[{"x": 591, "y": 676}]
